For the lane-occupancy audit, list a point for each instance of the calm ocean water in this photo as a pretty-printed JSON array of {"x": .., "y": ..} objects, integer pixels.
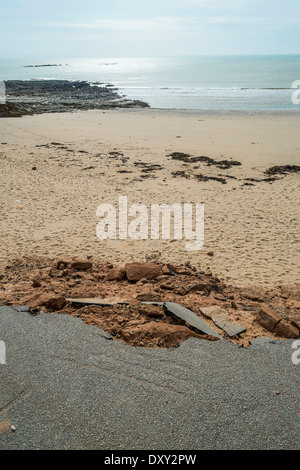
[{"x": 208, "y": 83}]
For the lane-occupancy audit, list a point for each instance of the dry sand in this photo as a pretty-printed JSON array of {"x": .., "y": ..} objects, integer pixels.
[{"x": 253, "y": 231}]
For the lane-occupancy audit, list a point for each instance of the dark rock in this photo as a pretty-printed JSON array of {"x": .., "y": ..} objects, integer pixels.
[{"x": 29, "y": 97}]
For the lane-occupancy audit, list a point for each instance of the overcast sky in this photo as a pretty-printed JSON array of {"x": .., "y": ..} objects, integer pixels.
[{"x": 89, "y": 28}]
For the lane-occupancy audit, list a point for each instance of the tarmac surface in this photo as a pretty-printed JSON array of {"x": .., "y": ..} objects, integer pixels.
[{"x": 66, "y": 385}]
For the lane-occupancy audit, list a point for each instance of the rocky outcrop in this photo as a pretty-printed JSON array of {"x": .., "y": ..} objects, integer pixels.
[{"x": 58, "y": 96}]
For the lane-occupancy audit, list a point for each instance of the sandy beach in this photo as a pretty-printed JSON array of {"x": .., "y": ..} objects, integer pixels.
[{"x": 56, "y": 169}]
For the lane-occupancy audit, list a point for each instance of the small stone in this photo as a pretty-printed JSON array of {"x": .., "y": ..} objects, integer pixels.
[
  {"x": 61, "y": 265},
  {"x": 210, "y": 253},
  {"x": 13, "y": 428}
]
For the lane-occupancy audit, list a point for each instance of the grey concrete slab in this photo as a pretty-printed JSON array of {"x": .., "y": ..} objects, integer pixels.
[
  {"x": 65, "y": 386},
  {"x": 222, "y": 320},
  {"x": 190, "y": 318}
]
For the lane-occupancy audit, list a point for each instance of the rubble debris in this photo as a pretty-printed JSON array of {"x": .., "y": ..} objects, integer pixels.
[{"x": 117, "y": 305}]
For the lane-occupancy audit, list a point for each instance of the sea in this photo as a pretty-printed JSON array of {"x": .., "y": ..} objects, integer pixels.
[{"x": 215, "y": 83}]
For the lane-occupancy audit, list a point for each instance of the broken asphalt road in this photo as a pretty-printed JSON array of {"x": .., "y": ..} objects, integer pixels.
[{"x": 67, "y": 385}]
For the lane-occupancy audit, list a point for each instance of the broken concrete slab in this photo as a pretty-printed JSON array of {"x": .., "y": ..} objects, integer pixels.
[
  {"x": 106, "y": 302},
  {"x": 190, "y": 318},
  {"x": 221, "y": 319}
]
